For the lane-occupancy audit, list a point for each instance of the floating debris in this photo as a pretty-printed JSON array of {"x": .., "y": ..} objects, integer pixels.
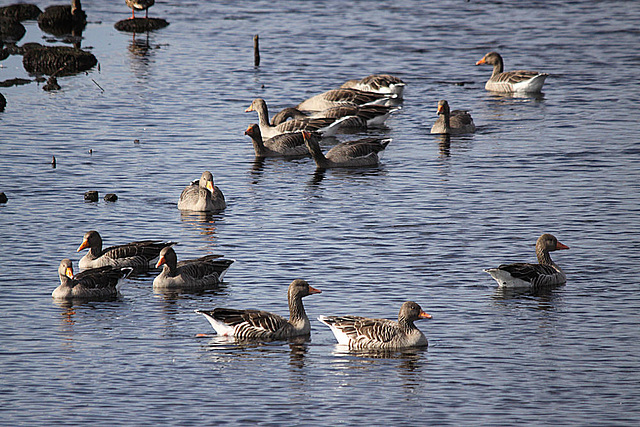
[
  {"x": 52, "y": 84},
  {"x": 21, "y": 11},
  {"x": 140, "y": 25},
  {"x": 3, "y": 198},
  {"x": 53, "y": 162},
  {"x": 110, "y": 197},
  {"x": 58, "y": 60},
  {"x": 14, "y": 82},
  {"x": 91, "y": 196}
]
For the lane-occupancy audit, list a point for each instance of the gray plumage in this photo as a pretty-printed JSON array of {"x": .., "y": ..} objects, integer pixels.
[
  {"x": 258, "y": 324},
  {"x": 202, "y": 195},
  {"x": 360, "y": 116},
  {"x": 359, "y": 153},
  {"x": 96, "y": 283},
  {"x": 191, "y": 274},
  {"x": 139, "y": 5},
  {"x": 381, "y": 83},
  {"x": 345, "y": 96},
  {"x": 140, "y": 255},
  {"x": 511, "y": 81},
  {"x": 452, "y": 122},
  {"x": 361, "y": 333},
  {"x": 284, "y": 145}
]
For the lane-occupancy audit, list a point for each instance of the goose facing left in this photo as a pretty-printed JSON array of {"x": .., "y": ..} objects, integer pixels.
[
  {"x": 197, "y": 273},
  {"x": 140, "y": 255},
  {"x": 454, "y": 122},
  {"x": 359, "y": 153},
  {"x": 95, "y": 283},
  {"x": 262, "y": 325}
]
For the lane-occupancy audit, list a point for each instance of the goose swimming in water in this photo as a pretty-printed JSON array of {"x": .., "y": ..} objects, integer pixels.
[
  {"x": 359, "y": 153},
  {"x": 511, "y": 81},
  {"x": 95, "y": 283},
  {"x": 202, "y": 195},
  {"x": 197, "y": 273},
  {"x": 452, "y": 122}
]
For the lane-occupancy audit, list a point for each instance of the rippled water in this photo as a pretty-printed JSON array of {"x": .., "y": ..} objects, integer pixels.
[{"x": 422, "y": 226}]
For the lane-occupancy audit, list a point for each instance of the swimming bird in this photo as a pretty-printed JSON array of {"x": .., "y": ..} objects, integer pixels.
[
  {"x": 139, "y": 5},
  {"x": 256, "y": 324},
  {"x": 359, "y": 116},
  {"x": 324, "y": 126},
  {"x": 289, "y": 144},
  {"x": 95, "y": 283},
  {"x": 511, "y": 81},
  {"x": 345, "y": 96},
  {"x": 139, "y": 255},
  {"x": 380, "y": 83},
  {"x": 61, "y": 19},
  {"x": 523, "y": 275},
  {"x": 452, "y": 122},
  {"x": 197, "y": 273},
  {"x": 362, "y": 152},
  {"x": 361, "y": 333},
  {"x": 202, "y": 195}
]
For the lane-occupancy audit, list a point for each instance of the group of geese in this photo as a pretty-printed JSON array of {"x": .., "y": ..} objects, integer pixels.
[{"x": 294, "y": 132}]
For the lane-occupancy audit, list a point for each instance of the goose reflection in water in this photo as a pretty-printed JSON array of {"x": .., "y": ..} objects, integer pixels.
[
  {"x": 547, "y": 298},
  {"x": 204, "y": 222}
]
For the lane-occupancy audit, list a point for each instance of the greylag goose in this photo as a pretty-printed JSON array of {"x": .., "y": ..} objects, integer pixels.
[
  {"x": 346, "y": 96},
  {"x": 363, "y": 152},
  {"x": 202, "y": 196},
  {"x": 525, "y": 275},
  {"x": 197, "y": 273},
  {"x": 96, "y": 283},
  {"x": 380, "y": 83},
  {"x": 60, "y": 19},
  {"x": 325, "y": 126},
  {"x": 284, "y": 145},
  {"x": 256, "y": 324},
  {"x": 452, "y": 122},
  {"x": 363, "y": 116},
  {"x": 139, "y": 5},
  {"x": 361, "y": 333},
  {"x": 511, "y": 81},
  {"x": 139, "y": 255}
]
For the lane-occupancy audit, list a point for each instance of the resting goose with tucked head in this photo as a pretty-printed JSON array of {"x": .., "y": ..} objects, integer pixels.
[
  {"x": 202, "y": 196},
  {"x": 96, "y": 283},
  {"x": 359, "y": 153},
  {"x": 346, "y": 96},
  {"x": 525, "y": 275},
  {"x": 140, "y": 255},
  {"x": 139, "y": 5},
  {"x": 358, "y": 116},
  {"x": 511, "y": 81},
  {"x": 379, "y": 83},
  {"x": 361, "y": 333},
  {"x": 452, "y": 122},
  {"x": 284, "y": 145},
  {"x": 256, "y": 324},
  {"x": 191, "y": 273},
  {"x": 324, "y": 126}
]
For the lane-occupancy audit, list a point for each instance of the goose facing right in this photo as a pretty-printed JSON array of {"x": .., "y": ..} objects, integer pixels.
[
  {"x": 359, "y": 116},
  {"x": 527, "y": 275},
  {"x": 511, "y": 81},
  {"x": 359, "y": 153},
  {"x": 202, "y": 195},
  {"x": 95, "y": 283},
  {"x": 262, "y": 325},
  {"x": 454, "y": 122},
  {"x": 361, "y": 333},
  {"x": 197, "y": 273},
  {"x": 345, "y": 96}
]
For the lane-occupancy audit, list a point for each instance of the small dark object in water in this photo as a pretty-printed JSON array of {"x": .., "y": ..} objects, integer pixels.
[
  {"x": 4, "y": 53},
  {"x": 14, "y": 82},
  {"x": 53, "y": 162},
  {"x": 3, "y": 198},
  {"x": 3, "y": 102},
  {"x": 11, "y": 30},
  {"x": 256, "y": 50},
  {"x": 58, "y": 60},
  {"x": 136, "y": 141},
  {"x": 21, "y": 11},
  {"x": 140, "y": 25},
  {"x": 61, "y": 20},
  {"x": 52, "y": 84},
  {"x": 91, "y": 196},
  {"x": 110, "y": 197},
  {"x": 91, "y": 151}
]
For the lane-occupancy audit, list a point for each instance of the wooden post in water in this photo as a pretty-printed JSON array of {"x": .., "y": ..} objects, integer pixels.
[{"x": 256, "y": 51}]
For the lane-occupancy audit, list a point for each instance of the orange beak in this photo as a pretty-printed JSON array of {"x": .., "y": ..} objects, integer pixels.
[
  {"x": 69, "y": 272},
  {"x": 313, "y": 290},
  {"x": 439, "y": 109},
  {"x": 561, "y": 246},
  {"x": 249, "y": 109},
  {"x": 84, "y": 245},
  {"x": 160, "y": 261},
  {"x": 306, "y": 134},
  {"x": 482, "y": 61},
  {"x": 424, "y": 315},
  {"x": 210, "y": 186},
  {"x": 248, "y": 131}
]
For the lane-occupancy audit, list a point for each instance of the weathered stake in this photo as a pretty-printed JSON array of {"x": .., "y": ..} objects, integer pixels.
[{"x": 256, "y": 51}]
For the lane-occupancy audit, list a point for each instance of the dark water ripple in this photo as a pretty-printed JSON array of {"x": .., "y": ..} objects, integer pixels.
[{"x": 421, "y": 226}]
